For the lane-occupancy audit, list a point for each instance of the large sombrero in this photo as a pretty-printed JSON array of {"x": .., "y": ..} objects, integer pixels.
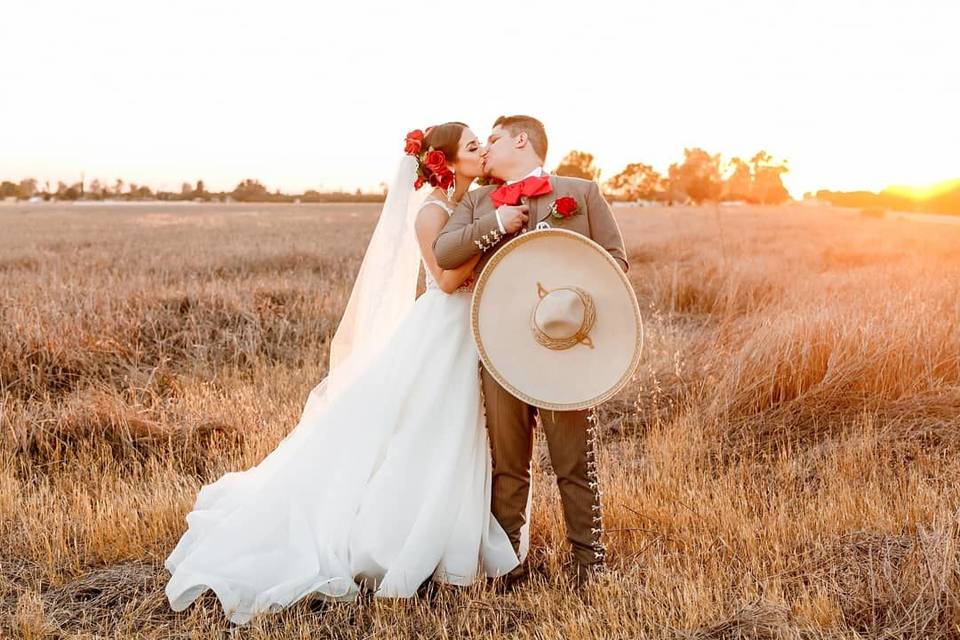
[{"x": 556, "y": 320}]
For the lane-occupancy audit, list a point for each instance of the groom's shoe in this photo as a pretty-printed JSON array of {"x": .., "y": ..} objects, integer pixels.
[
  {"x": 509, "y": 582},
  {"x": 585, "y": 574}
]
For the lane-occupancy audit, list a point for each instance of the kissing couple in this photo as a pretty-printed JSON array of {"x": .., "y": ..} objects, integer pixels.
[{"x": 411, "y": 462}]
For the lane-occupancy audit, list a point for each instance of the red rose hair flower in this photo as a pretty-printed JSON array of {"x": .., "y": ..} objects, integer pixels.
[
  {"x": 445, "y": 178},
  {"x": 414, "y": 142},
  {"x": 431, "y": 164},
  {"x": 436, "y": 161}
]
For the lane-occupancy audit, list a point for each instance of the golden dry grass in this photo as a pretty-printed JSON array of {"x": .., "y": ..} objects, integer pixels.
[{"x": 784, "y": 466}]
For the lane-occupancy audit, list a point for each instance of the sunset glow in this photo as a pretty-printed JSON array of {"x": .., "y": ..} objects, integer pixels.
[
  {"x": 854, "y": 95},
  {"x": 925, "y": 192}
]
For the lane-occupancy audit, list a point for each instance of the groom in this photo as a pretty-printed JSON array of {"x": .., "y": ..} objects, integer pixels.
[{"x": 485, "y": 219}]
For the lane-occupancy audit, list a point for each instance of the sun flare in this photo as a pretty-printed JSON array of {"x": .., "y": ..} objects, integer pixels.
[{"x": 924, "y": 192}]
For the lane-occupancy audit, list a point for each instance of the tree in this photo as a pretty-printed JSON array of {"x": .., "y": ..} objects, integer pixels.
[
  {"x": 578, "y": 164},
  {"x": 739, "y": 186},
  {"x": 8, "y": 189},
  {"x": 69, "y": 193},
  {"x": 637, "y": 181},
  {"x": 97, "y": 190},
  {"x": 27, "y": 188},
  {"x": 697, "y": 178},
  {"x": 250, "y": 190},
  {"x": 138, "y": 192},
  {"x": 767, "y": 186},
  {"x": 118, "y": 187}
]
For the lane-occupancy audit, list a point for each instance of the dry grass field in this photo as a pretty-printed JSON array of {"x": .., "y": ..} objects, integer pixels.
[{"x": 785, "y": 464}]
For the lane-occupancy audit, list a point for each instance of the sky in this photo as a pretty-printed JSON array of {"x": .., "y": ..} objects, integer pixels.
[{"x": 852, "y": 94}]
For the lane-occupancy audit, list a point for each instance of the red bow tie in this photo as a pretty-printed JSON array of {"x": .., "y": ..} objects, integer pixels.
[{"x": 510, "y": 194}]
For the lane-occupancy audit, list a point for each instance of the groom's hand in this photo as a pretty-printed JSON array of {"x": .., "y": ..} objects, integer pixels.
[{"x": 513, "y": 218}]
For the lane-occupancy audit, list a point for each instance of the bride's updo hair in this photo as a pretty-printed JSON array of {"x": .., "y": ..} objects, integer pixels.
[
  {"x": 434, "y": 149},
  {"x": 445, "y": 137}
]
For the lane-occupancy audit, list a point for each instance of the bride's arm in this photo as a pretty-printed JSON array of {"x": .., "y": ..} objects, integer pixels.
[{"x": 430, "y": 221}]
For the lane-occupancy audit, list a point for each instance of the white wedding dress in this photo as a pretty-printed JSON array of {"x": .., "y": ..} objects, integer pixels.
[{"x": 388, "y": 485}]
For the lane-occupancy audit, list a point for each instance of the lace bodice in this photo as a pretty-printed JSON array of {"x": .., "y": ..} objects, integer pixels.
[{"x": 430, "y": 282}]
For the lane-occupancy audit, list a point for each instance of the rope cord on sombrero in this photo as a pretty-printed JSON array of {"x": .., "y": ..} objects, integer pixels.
[{"x": 581, "y": 336}]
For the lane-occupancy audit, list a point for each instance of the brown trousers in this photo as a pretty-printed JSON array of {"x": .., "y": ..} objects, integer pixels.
[{"x": 570, "y": 440}]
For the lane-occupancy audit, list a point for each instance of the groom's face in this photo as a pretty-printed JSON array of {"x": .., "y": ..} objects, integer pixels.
[{"x": 501, "y": 151}]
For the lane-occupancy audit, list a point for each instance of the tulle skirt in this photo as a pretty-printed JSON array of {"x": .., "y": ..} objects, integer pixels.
[{"x": 387, "y": 486}]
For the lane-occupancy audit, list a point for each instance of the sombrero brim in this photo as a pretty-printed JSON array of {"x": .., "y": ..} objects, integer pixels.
[{"x": 505, "y": 297}]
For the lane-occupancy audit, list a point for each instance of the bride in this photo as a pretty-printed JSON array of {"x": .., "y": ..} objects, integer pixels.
[{"x": 384, "y": 483}]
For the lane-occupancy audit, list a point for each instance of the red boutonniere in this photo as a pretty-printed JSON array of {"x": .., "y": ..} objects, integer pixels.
[{"x": 564, "y": 207}]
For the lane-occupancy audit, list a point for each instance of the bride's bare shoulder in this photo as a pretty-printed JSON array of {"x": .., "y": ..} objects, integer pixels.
[
  {"x": 431, "y": 217},
  {"x": 434, "y": 207}
]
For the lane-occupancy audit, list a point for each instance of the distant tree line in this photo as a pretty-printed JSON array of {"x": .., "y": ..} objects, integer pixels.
[
  {"x": 945, "y": 200},
  {"x": 248, "y": 190},
  {"x": 700, "y": 177}
]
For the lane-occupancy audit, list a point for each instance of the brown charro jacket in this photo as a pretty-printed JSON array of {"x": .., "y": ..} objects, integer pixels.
[{"x": 473, "y": 229}]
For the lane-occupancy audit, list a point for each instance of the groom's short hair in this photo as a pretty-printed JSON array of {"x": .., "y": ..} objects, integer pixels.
[{"x": 534, "y": 128}]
